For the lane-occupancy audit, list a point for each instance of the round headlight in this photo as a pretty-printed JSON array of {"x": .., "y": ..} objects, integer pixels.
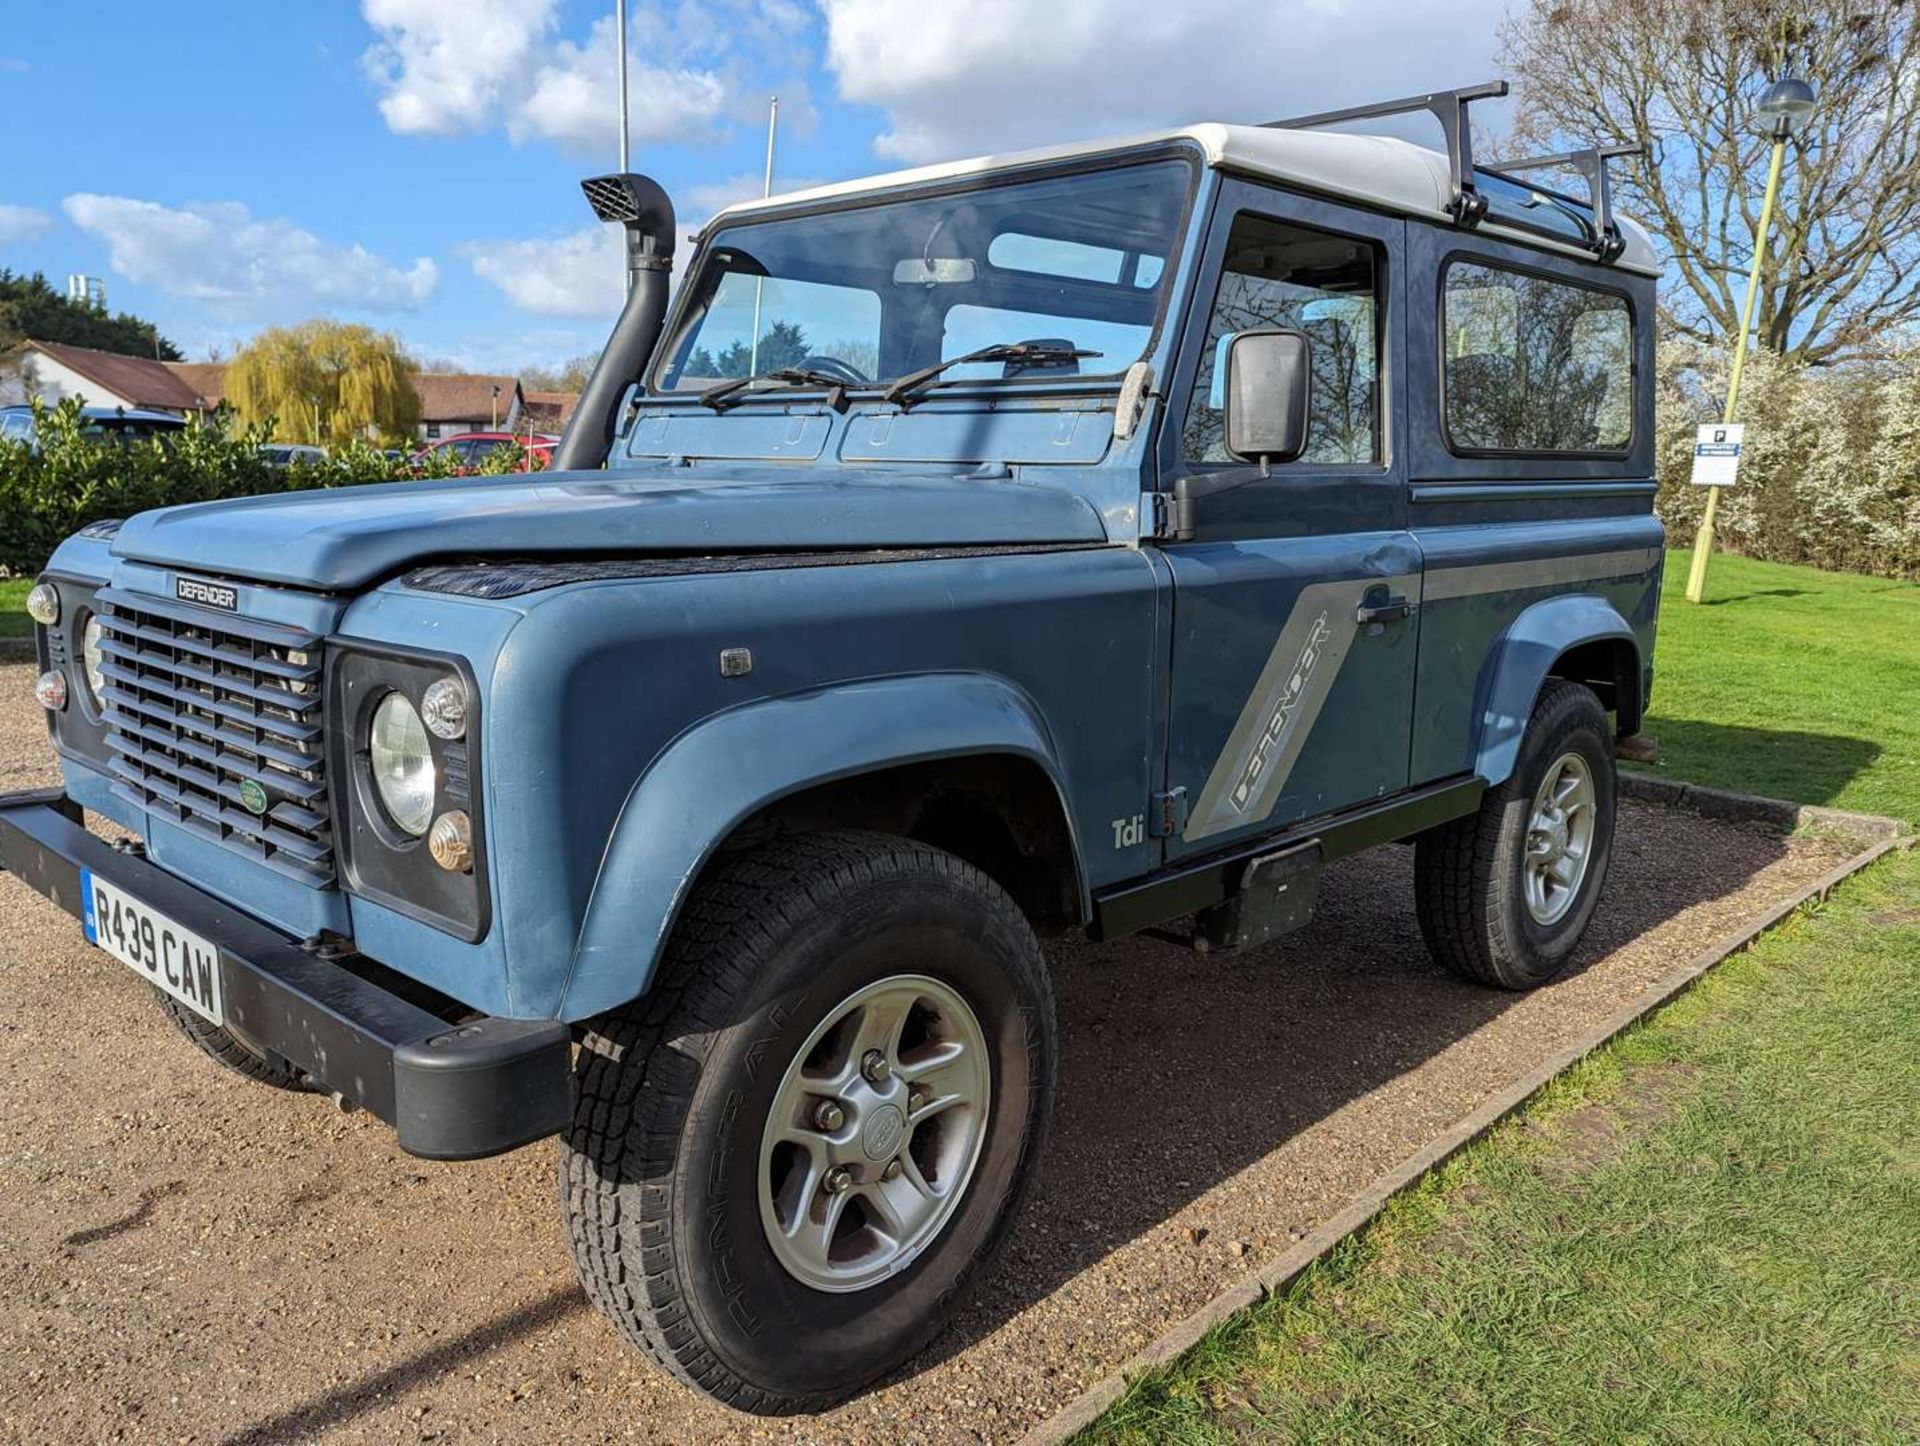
[
  {"x": 94, "y": 657},
  {"x": 402, "y": 762}
]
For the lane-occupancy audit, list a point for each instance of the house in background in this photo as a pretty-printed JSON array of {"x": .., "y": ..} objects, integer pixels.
[
  {"x": 54, "y": 371},
  {"x": 451, "y": 403},
  {"x": 549, "y": 412},
  {"x": 209, "y": 379}
]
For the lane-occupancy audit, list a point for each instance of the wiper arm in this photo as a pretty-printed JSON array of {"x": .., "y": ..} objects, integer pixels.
[
  {"x": 720, "y": 397},
  {"x": 1033, "y": 353}
]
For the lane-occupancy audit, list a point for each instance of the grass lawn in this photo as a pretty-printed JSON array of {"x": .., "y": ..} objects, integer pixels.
[
  {"x": 14, "y": 622},
  {"x": 1709, "y": 1232},
  {"x": 1792, "y": 683}
]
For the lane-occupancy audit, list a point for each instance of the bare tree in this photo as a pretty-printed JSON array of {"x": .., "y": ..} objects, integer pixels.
[{"x": 1686, "y": 76}]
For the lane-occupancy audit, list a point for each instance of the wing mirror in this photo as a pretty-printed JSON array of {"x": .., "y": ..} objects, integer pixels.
[
  {"x": 1262, "y": 387},
  {"x": 1262, "y": 380}
]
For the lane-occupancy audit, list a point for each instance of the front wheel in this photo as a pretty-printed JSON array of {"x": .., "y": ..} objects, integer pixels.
[
  {"x": 791, "y": 1157},
  {"x": 1505, "y": 894}
]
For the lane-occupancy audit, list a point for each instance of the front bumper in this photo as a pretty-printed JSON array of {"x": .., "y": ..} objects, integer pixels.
[{"x": 455, "y": 1086}]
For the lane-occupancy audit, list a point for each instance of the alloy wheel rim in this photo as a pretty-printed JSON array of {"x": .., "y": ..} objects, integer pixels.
[
  {"x": 1560, "y": 835},
  {"x": 874, "y": 1133}
]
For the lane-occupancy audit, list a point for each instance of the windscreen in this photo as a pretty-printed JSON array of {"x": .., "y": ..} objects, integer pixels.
[{"x": 871, "y": 292}]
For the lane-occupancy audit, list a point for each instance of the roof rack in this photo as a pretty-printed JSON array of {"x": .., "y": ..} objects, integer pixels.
[
  {"x": 1591, "y": 163},
  {"x": 1449, "y": 107},
  {"x": 1468, "y": 205}
]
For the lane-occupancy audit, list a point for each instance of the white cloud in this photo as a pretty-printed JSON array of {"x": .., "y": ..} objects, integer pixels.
[
  {"x": 219, "y": 254},
  {"x": 576, "y": 275},
  {"x": 574, "y": 99},
  {"x": 694, "y": 68},
  {"x": 444, "y": 67},
  {"x": 21, "y": 223},
  {"x": 583, "y": 273},
  {"x": 1006, "y": 74}
]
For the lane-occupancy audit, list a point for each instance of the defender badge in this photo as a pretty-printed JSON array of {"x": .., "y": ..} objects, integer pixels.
[
  {"x": 253, "y": 796},
  {"x": 207, "y": 594}
]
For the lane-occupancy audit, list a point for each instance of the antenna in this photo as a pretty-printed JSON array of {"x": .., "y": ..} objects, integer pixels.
[{"x": 766, "y": 189}]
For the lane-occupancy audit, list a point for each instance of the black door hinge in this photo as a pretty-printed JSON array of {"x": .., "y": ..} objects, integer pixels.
[{"x": 1167, "y": 813}]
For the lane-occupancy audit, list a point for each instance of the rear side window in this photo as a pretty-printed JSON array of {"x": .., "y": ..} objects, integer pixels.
[{"x": 1535, "y": 365}]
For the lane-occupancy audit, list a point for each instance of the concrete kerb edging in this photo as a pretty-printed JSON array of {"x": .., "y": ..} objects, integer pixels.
[
  {"x": 1882, "y": 836},
  {"x": 16, "y": 650}
]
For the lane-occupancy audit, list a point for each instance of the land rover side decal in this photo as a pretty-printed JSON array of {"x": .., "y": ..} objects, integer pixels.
[{"x": 1278, "y": 715}]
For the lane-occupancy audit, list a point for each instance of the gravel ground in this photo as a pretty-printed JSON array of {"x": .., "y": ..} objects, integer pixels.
[{"x": 187, "y": 1257}]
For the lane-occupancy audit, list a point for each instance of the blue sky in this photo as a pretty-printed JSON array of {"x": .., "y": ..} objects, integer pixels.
[{"x": 413, "y": 163}]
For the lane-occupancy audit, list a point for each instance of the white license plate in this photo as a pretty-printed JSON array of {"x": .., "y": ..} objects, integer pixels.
[{"x": 153, "y": 946}]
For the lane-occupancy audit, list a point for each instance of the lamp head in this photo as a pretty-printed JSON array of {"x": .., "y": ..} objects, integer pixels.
[{"x": 1786, "y": 106}]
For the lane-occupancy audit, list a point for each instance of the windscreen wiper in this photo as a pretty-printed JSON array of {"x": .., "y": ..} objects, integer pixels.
[
  {"x": 1031, "y": 353},
  {"x": 723, "y": 396}
]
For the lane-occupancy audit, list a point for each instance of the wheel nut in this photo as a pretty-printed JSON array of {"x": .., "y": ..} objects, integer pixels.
[
  {"x": 893, "y": 1170},
  {"x": 828, "y": 1115},
  {"x": 839, "y": 1180},
  {"x": 916, "y": 1100},
  {"x": 875, "y": 1067}
]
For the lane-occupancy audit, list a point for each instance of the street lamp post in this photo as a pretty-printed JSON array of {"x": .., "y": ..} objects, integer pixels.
[{"x": 1785, "y": 106}]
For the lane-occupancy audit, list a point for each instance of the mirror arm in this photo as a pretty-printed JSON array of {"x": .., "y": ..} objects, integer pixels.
[{"x": 1189, "y": 490}]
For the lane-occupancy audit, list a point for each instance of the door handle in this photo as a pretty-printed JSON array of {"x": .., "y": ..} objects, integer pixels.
[{"x": 1388, "y": 610}]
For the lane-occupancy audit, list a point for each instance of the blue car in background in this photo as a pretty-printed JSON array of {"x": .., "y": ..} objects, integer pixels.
[
  {"x": 1097, "y": 539},
  {"x": 123, "y": 425}
]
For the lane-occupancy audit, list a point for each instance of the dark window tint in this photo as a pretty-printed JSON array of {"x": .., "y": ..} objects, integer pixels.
[
  {"x": 1276, "y": 274},
  {"x": 1534, "y": 365}
]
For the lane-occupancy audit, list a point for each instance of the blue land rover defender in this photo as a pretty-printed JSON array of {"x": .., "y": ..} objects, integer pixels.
[{"x": 1103, "y": 538}]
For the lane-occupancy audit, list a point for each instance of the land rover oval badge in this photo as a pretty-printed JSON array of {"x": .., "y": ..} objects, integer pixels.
[{"x": 253, "y": 796}]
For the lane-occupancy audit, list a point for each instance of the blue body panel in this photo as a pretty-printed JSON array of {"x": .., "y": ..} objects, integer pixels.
[
  {"x": 348, "y": 537},
  {"x": 979, "y": 576},
  {"x": 742, "y": 759}
]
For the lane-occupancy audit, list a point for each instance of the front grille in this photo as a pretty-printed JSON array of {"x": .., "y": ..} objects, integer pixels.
[{"x": 200, "y": 706}]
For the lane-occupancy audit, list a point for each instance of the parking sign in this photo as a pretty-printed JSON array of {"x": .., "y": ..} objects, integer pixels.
[{"x": 1716, "y": 453}]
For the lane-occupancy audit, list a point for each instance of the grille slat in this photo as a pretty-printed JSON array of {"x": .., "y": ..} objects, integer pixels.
[
  {"x": 198, "y": 704},
  {"x": 291, "y": 729}
]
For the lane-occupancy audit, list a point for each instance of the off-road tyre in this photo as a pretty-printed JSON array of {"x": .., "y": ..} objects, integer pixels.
[
  {"x": 1468, "y": 884},
  {"x": 242, "y": 1059},
  {"x": 658, "y": 1174}
]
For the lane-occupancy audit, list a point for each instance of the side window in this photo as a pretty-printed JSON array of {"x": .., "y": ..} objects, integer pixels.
[
  {"x": 1534, "y": 365},
  {"x": 1279, "y": 274},
  {"x": 18, "y": 427}
]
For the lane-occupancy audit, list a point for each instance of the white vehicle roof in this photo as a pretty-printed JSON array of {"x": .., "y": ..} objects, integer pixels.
[{"x": 1380, "y": 171}]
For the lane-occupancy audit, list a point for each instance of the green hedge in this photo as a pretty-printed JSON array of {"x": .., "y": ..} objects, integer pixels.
[{"x": 50, "y": 491}]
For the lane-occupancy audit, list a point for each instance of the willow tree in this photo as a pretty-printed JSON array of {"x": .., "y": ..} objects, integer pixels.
[
  {"x": 1684, "y": 77},
  {"x": 325, "y": 382}
]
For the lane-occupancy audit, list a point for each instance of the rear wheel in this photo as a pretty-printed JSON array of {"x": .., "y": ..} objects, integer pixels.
[
  {"x": 1505, "y": 894},
  {"x": 795, "y": 1153},
  {"x": 242, "y": 1059}
]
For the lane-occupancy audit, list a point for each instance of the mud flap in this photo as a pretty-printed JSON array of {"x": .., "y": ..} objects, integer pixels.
[{"x": 1275, "y": 897}]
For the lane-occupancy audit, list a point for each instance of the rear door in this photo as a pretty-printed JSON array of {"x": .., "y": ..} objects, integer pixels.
[{"x": 1296, "y": 603}]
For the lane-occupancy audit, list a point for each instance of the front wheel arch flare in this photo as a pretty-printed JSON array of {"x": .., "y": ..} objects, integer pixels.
[{"x": 734, "y": 765}]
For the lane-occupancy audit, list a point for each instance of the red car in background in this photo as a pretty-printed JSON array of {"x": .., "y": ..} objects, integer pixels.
[{"x": 469, "y": 449}]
